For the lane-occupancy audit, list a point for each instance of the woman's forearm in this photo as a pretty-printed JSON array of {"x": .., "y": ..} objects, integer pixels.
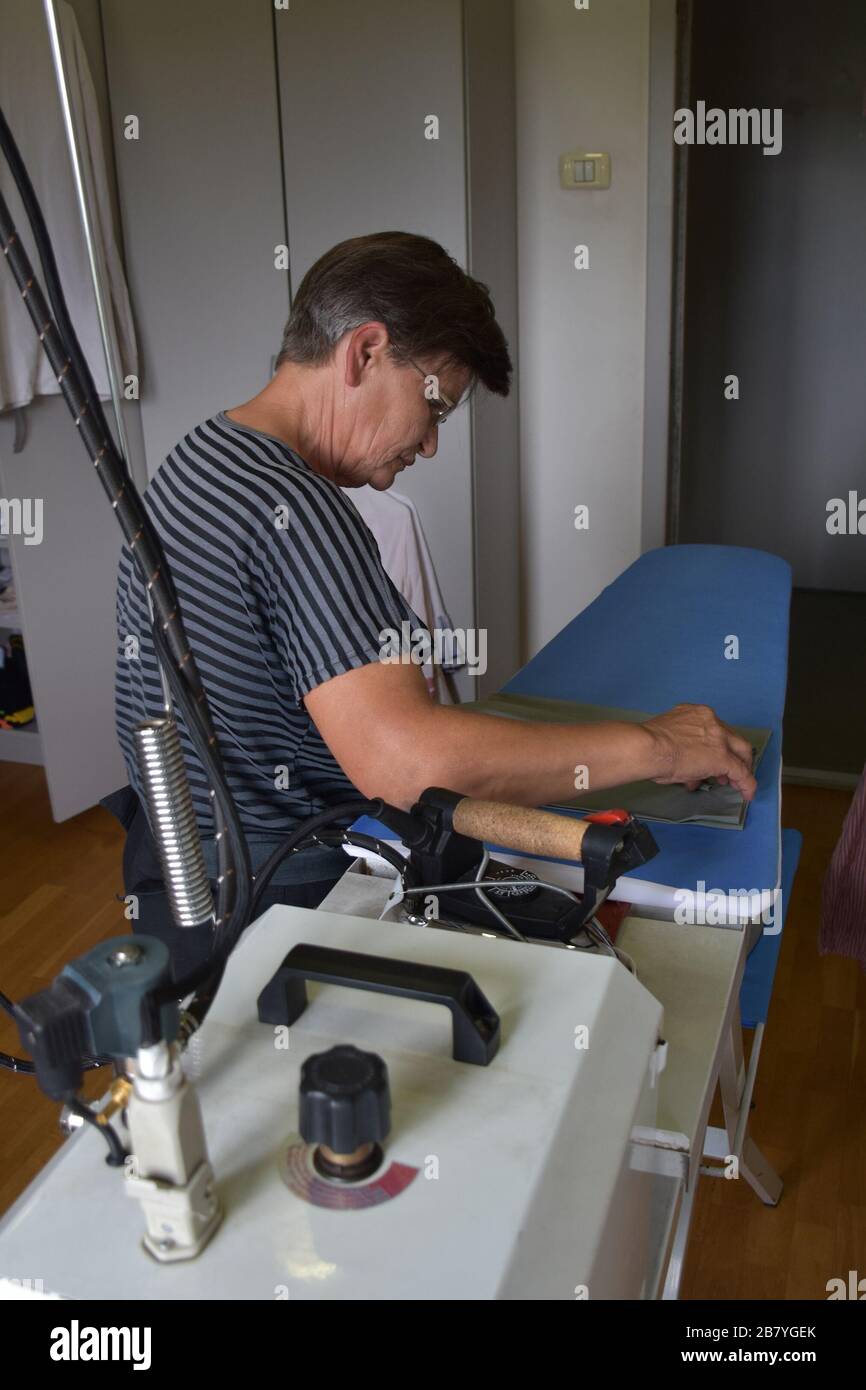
[{"x": 531, "y": 764}]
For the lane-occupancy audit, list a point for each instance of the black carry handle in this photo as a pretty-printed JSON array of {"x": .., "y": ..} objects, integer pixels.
[{"x": 476, "y": 1022}]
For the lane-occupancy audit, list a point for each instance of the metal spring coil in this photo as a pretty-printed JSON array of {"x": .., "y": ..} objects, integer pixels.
[{"x": 172, "y": 821}]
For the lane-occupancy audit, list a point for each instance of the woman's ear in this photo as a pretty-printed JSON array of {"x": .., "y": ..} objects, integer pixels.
[{"x": 366, "y": 347}]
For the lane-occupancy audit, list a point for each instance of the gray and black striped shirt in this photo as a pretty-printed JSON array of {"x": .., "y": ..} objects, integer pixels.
[{"x": 281, "y": 588}]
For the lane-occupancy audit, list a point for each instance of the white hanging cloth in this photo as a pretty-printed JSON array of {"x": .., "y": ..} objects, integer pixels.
[
  {"x": 31, "y": 104},
  {"x": 406, "y": 559}
]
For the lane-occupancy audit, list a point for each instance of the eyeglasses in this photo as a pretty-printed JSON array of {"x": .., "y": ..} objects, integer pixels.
[{"x": 441, "y": 406}]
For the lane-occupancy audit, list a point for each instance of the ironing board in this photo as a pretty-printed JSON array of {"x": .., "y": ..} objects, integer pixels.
[{"x": 657, "y": 637}]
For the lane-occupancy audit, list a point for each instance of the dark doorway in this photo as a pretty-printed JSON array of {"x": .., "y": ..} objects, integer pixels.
[{"x": 771, "y": 378}]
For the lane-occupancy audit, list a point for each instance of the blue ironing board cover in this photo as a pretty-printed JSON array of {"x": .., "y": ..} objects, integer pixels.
[
  {"x": 654, "y": 638},
  {"x": 760, "y": 972}
]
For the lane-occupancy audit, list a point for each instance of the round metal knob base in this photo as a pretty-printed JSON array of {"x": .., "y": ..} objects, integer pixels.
[{"x": 352, "y": 1167}]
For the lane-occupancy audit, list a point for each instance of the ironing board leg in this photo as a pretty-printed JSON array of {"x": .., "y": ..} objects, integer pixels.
[
  {"x": 736, "y": 1088},
  {"x": 673, "y": 1278},
  {"x": 759, "y": 1174}
]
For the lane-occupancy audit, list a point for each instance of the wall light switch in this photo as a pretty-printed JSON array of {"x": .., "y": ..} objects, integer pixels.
[{"x": 581, "y": 169}]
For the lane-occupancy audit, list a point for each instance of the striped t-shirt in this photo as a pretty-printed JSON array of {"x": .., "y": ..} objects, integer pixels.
[{"x": 281, "y": 588}]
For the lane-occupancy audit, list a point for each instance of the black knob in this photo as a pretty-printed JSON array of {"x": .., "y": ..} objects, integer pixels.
[{"x": 344, "y": 1099}]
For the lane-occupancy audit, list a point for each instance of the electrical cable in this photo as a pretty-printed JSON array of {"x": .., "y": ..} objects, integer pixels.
[
  {"x": 16, "y": 1064},
  {"x": 203, "y": 989},
  {"x": 392, "y": 856},
  {"x": 383, "y": 849},
  {"x": 73, "y": 376},
  {"x": 203, "y": 982},
  {"x": 343, "y": 810},
  {"x": 21, "y": 1064},
  {"x": 116, "y": 1153},
  {"x": 491, "y": 907},
  {"x": 64, "y": 353},
  {"x": 200, "y": 982}
]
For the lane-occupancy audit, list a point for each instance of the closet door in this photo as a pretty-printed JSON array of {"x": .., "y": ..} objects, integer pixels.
[
  {"x": 65, "y": 583},
  {"x": 65, "y": 590},
  {"x": 201, "y": 201}
]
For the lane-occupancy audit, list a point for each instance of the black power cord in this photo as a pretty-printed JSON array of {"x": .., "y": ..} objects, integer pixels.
[
  {"x": 345, "y": 810},
  {"x": 18, "y": 1064},
  {"x": 407, "y": 875},
  {"x": 26, "y": 1068},
  {"x": 63, "y": 350},
  {"x": 116, "y": 1156},
  {"x": 204, "y": 982},
  {"x": 64, "y": 354}
]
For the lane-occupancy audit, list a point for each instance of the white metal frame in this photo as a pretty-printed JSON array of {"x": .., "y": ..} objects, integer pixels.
[{"x": 736, "y": 1083}]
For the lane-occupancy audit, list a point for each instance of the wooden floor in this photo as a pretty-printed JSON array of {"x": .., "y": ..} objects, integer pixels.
[
  {"x": 810, "y": 1110},
  {"x": 57, "y": 897}
]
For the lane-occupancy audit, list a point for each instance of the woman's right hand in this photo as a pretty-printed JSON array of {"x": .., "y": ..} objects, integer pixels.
[{"x": 693, "y": 744}]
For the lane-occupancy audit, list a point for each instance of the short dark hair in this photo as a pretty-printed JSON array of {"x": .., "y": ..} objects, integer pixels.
[{"x": 430, "y": 306}]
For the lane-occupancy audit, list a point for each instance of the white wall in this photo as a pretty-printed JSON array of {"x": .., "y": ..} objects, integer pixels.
[
  {"x": 323, "y": 105},
  {"x": 582, "y": 82},
  {"x": 202, "y": 203},
  {"x": 356, "y": 83}
]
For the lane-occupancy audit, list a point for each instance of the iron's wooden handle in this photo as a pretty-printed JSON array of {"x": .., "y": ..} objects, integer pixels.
[{"x": 520, "y": 828}]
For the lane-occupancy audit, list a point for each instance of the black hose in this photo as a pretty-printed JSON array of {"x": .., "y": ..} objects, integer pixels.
[
  {"x": 303, "y": 837},
  {"x": 343, "y": 810},
  {"x": 16, "y": 1064},
  {"x": 116, "y": 1152},
  {"x": 405, "y": 872},
  {"x": 20, "y": 1064},
  {"x": 203, "y": 982},
  {"x": 76, "y": 384}
]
